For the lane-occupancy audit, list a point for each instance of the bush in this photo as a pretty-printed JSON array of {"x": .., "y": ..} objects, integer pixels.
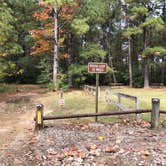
[
  {"x": 7, "y": 70},
  {"x": 62, "y": 82},
  {"x": 45, "y": 76}
]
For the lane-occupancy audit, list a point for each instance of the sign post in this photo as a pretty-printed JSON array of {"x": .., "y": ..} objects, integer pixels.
[
  {"x": 61, "y": 101},
  {"x": 97, "y": 68},
  {"x": 97, "y": 93}
]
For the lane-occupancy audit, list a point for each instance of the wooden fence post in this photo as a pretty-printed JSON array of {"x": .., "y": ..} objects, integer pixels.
[
  {"x": 39, "y": 116},
  {"x": 138, "y": 116},
  {"x": 119, "y": 99},
  {"x": 155, "y": 114}
]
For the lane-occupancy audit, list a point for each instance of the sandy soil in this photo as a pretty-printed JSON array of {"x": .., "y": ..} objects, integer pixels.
[{"x": 17, "y": 112}]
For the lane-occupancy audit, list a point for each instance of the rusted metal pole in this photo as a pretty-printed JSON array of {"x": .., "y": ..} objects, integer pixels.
[
  {"x": 97, "y": 95},
  {"x": 162, "y": 111},
  {"x": 94, "y": 114}
]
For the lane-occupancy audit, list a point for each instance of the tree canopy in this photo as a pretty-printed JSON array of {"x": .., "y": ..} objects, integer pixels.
[{"x": 41, "y": 41}]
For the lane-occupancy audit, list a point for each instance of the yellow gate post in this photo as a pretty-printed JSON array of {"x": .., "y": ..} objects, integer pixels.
[{"x": 39, "y": 116}]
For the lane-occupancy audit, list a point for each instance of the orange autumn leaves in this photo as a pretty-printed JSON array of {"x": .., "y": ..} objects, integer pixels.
[
  {"x": 44, "y": 14},
  {"x": 43, "y": 36}
]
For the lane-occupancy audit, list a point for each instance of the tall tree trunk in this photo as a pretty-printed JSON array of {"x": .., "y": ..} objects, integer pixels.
[
  {"x": 146, "y": 65},
  {"x": 55, "y": 59},
  {"x": 111, "y": 64},
  {"x": 70, "y": 81},
  {"x": 146, "y": 74},
  {"x": 130, "y": 64},
  {"x": 108, "y": 39}
]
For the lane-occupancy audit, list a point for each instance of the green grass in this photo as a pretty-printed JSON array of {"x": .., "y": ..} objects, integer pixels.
[
  {"x": 77, "y": 102},
  {"x": 9, "y": 88},
  {"x": 145, "y": 96}
]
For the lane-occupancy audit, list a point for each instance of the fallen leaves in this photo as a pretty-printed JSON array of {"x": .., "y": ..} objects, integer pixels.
[
  {"x": 92, "y": 147},
  {"x": 118, "y": 139},
  {"x": 81, "y": 155},
  {"x": 73, "y": 149},
  {"x": 51, "y": 151},
  {"x": 82, "y": 144},
  {"x": 69, "y": 154},
  {"x": 145, "y": 153},
  {"x": 49, "y": 141},
  {"x": 38, "y": 157},
  {"x": 33, "y": 141},
  {"x": 74, "y": 152},
  {"x": 111, "y": 149},
  {"x": 101, "y": 138}
]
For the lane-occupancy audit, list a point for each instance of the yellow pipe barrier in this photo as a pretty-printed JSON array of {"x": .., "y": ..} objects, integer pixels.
[{"x": 39, "y": 116}]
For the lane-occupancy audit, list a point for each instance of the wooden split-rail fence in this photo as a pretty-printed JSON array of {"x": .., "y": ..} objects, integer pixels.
[
  {"x": 91, "y": 90},
  {"x": 118, "y": 101}
]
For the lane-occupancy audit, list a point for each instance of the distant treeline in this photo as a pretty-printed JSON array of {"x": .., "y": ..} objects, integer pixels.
[{"x": 38, "y": 39}]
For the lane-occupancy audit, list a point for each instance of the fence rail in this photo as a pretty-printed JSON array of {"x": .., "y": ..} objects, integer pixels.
[
  {"x": 94, "y": 114},
  {"x": 155, "y": 114},
  {"x": 91, "y": 90},
  {"x": 119, "y": 97}
]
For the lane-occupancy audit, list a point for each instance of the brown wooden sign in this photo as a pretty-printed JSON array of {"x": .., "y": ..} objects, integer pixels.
[{"x": 97, "y": 67}]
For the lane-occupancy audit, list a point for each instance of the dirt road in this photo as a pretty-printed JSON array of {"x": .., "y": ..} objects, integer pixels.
[{"x": 17, "y": 112}]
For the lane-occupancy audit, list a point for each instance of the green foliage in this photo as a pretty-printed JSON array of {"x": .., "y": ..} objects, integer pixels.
[
  {"x": 80, "y": 26},
  {"x": 29, "y": 71},
  {"x": 24, "y": 21},
  {"x": 78, "y": 73},
  {"x": 58, "y": 3},
  {"x": 8, "y": 35},
  {"x": 157, "y": 51},
  {"x": 94, "y": 10},
  {"x": 45, "y": 76},
  {"x": 5, "y": 22},
  {"x": 92, "y": 51},
  {"x": 132, "y": 31},
  {"x": 99, "y": 28},
  {"x": 50, "y": 86},
  {"x": 138, "y": 12},
  {"x": 156, "y": 23},
  {"x": 137, "y": 77},
  {"x": 7, "y": 70},
  {"x": 62, "y": 81}
]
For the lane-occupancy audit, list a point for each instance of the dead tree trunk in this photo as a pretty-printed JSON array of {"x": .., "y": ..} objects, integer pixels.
[{"x": 55, "y": 59}]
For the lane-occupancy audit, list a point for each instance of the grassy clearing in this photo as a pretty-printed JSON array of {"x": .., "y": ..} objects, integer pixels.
[
  {"x": 79, "y": 102},
  {"x": 75, "y": 102},
  {"x": 145, "y": 97}
]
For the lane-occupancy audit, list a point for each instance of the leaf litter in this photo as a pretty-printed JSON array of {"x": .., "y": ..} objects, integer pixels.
[{"x": 75, "y": 144}]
